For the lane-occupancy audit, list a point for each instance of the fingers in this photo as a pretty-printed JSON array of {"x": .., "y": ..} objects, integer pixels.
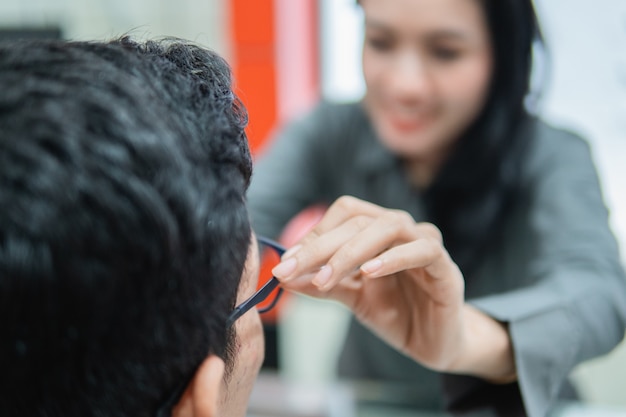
[
  {"x": 374, "y": 237},
  {"x": 342, "y": 210},
  {"x": 317, "y": 243},
  {"x": 426, "y": 252},
  {"x": 358, "y": 236},
  {"x": 312, "y": 255}
]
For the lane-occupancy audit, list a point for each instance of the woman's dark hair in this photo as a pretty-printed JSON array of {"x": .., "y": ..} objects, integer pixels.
[{"x": 478, "y": 183}]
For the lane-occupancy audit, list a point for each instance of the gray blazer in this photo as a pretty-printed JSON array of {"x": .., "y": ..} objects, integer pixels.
[{"x": 554, "y": 275}]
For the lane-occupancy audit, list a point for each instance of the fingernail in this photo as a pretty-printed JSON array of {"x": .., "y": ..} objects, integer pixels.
[
  {"x": 292, "y": 251},
  {"x": 323, "y": 276},
  {"x": 371, "y": 266},
  {"x": 284, "y": 269}
]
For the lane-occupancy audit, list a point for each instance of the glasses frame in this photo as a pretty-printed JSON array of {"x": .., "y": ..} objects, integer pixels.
[{"x": 263, "y": 292}]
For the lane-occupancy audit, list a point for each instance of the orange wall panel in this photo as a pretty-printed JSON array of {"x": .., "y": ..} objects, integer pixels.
[
  {"x": 252, "y": 21},
  {"x": 252, "y": 27},
  {"x": 256, "y": 87}
]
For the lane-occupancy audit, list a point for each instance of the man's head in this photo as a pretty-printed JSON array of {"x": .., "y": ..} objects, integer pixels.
[{"x": 123, "y": 226}]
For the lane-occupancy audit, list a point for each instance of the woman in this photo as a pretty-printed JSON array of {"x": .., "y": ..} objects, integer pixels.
[{"x": 516, "y": 277}]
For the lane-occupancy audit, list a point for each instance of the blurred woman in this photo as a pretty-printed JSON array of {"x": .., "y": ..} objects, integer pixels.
[{"x": 515, "y": 276}]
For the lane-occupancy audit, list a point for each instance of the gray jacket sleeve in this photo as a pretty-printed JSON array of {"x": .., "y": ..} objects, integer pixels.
[{"x": 575, "y": 307}]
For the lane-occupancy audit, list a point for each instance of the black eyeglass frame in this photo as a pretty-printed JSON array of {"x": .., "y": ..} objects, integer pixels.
[{"x": 263, "y": 292}]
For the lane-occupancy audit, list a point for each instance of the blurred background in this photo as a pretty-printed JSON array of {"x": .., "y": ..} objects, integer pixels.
[{"x": 286, "y": 54}]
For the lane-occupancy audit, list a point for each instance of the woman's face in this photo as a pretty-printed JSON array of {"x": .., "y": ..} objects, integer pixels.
[{"x": 427, "y": 66}]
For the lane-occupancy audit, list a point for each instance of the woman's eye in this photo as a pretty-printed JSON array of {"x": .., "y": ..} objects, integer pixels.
[
  {"x": 446, "y": 54},
  {"x": 379, "y": 44}
]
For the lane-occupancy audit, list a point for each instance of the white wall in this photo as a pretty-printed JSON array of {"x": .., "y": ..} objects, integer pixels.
[{"x": 198, "y": 20}]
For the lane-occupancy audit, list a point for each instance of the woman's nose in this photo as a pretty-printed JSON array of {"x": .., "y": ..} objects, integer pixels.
[{"x": 410, "y": 78}]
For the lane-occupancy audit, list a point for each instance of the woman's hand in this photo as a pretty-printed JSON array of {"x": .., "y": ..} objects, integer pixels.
[{"x": 398, "y": 279}]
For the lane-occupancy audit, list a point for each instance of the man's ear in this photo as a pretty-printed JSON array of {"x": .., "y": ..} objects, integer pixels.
[{"x": 202, "y": 396}]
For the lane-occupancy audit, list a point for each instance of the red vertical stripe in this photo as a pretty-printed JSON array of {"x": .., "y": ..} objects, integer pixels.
[{"x": 252, "y": 31}]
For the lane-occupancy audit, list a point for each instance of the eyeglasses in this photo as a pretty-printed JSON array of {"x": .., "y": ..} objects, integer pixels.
[
  {"x": 264, "y": 299},
  {"x": 268, "y": 295}
]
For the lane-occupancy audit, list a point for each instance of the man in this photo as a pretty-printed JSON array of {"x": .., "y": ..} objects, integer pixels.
[{"x": 124, "y": 236}]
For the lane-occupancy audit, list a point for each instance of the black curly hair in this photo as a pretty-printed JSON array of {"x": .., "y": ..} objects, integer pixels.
[{"x": 123, "y": 224}]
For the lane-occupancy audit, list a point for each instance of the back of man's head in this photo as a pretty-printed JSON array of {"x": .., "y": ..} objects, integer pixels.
[{"x": 123, "y": 227}]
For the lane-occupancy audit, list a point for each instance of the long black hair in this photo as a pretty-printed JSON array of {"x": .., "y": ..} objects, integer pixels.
[{"x": 478, "y": 183}]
